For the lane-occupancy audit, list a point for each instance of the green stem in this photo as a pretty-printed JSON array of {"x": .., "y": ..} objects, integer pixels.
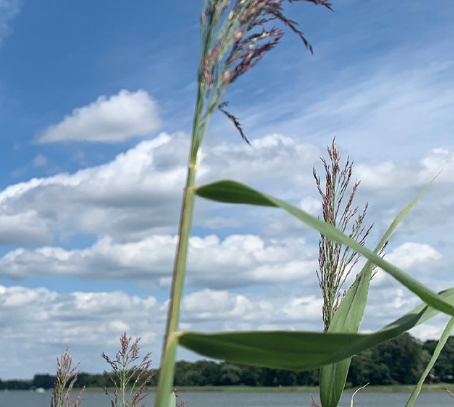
[
  {"x": 168, "y": 356},
  {"x": 123, "y": 385},
  {"x": 170, "y": 343},
  {"x": 167, "y": 371}
]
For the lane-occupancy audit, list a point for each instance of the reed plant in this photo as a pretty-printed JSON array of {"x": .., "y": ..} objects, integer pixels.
[
  {"x": 64, "y": 382},
  {"x": 234, "y": 37},
  {"x": 130, "y": 380},
  {"x": 336, "y": 261}
]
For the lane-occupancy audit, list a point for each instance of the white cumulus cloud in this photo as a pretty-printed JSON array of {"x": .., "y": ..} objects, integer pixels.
[
  {"x": 236, "y": 261},
  {"x": 412, "y": 254},
  {"x": 135, "y": 192},
  {"x": 39, "y": 323},
  {"x": 108, "y": 120},
  {"x": 23, "y": 228}
]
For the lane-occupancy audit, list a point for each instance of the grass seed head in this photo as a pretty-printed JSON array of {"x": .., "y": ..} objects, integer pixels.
[
  {"x": 235, "y": 40},
  {"x": 336, "y": 262}
]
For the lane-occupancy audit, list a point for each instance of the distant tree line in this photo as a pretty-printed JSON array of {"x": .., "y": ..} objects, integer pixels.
[{"x": 398, "y": 361}]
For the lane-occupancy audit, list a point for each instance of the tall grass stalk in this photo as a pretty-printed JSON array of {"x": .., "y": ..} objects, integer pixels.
[
  {"x": 129, "y": 380},
  {"x": 64, "y": 382},
  {"x": 336, "y": 262},
  {"x": 230, "y": 46}
]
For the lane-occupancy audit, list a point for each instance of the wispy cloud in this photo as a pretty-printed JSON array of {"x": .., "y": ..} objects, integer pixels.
[
  {"x": 8, "y": 10},
  {"x": 379, "y": 105},
  {"x": 39, "y": 161}
]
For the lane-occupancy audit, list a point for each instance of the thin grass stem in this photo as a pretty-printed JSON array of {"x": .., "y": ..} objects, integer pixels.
[
  {"x": 215, "y": 74},
  {"x": 170, "y": 343}
]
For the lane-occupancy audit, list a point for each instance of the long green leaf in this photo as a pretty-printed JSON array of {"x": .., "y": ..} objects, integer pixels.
[
  {"x": 350, "y": 313},
  {"x": 234, "y": 192},
  {"x": 292, "y": 350},
  {"x": 441, "y": 343}
]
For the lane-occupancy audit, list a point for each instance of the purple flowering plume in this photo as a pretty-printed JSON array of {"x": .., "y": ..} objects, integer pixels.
[
  {"x": 64, "y": 382},
  {"x": 129, "y": 380},
  {"x": 335, "y": 262},
  {"x": 235, "y": 37}
]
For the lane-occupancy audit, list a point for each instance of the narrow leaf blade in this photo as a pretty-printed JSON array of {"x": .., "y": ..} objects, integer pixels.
[
  {"x": 441, "y": 343},
  {"x": 350, "y": 313},
  {"x": 233, "y": 192},
  {"x": 300, "y": 350}
]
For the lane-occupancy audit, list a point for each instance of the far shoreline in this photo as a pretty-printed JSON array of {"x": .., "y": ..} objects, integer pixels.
[{"x": 399, "y": 388}]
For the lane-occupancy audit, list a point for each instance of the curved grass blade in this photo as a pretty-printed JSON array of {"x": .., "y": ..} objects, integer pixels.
[
  {"x": 350, "y": 313},
  {"x": 441, "y": 343},
  {"x": 354, "y": 394},
  {"x": 290, "y": 350},
  {"x": 234, "y": 192}
]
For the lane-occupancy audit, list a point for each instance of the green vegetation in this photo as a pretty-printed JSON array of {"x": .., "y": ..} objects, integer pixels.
[
  {"x": 334, "y": 269},
  {"x": 128, "y": 379},
  {"x": 230, "y": 46},
  {"x": 64, "y": 382},
  {"x": 235, "y": 36},
  {"x": 395, "y": 365}
]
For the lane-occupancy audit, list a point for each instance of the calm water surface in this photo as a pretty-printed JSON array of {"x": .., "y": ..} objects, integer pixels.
[{"x": 32, "y": 399}]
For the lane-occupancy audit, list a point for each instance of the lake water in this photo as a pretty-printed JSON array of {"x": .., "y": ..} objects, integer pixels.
[{"x": 208, "y": 399}]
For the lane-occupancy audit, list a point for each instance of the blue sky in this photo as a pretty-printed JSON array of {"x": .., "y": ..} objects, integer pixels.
[{"x": 96, "y": 103}]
